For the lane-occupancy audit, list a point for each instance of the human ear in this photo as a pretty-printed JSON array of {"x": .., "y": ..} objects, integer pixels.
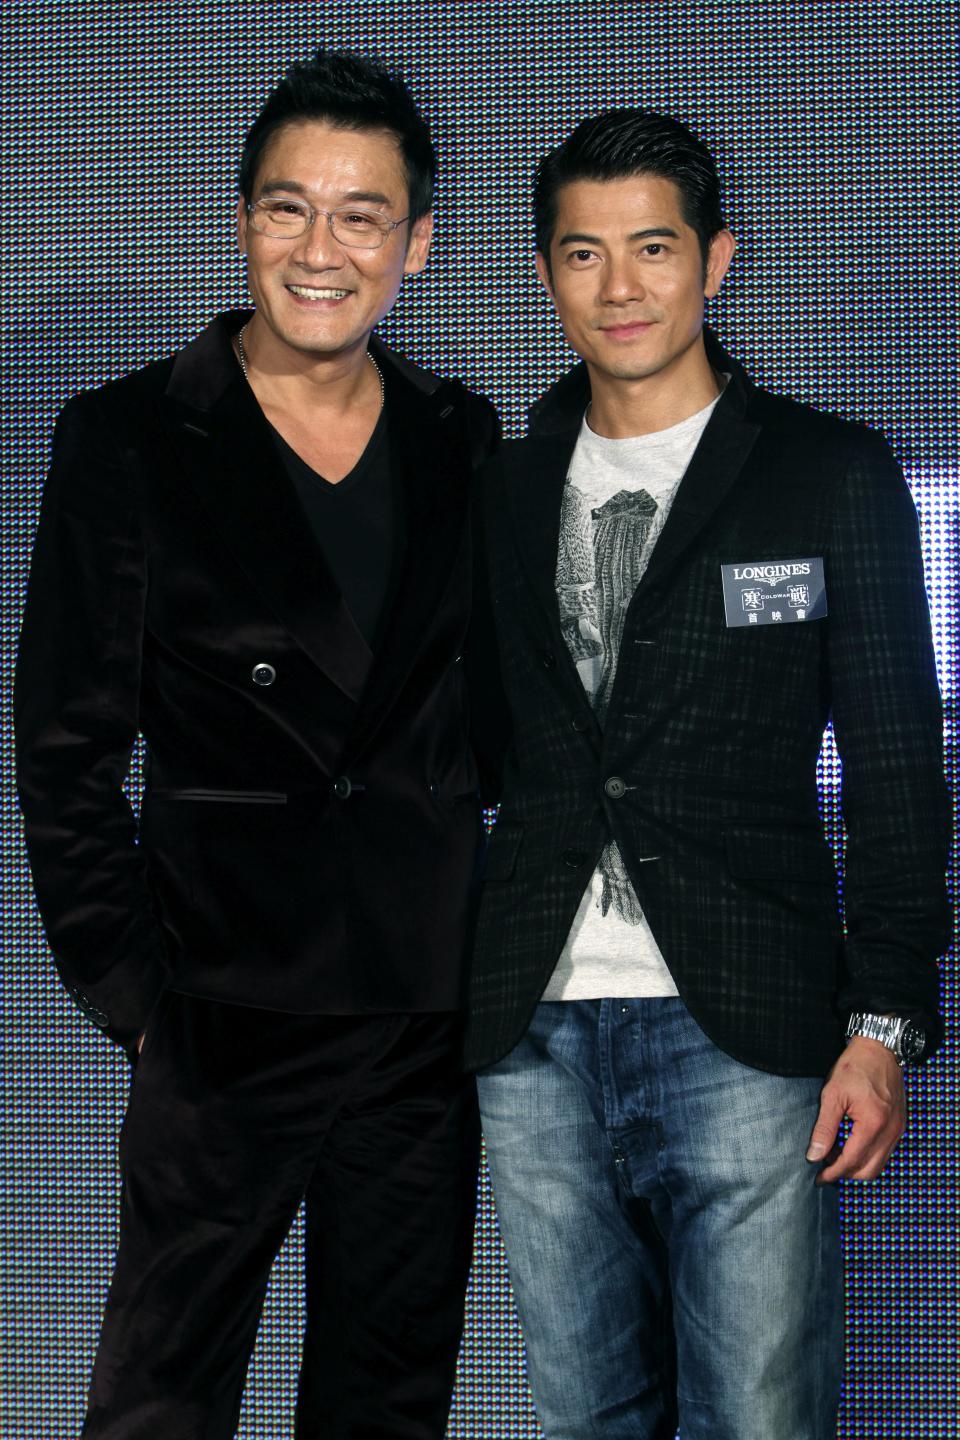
[
  {"x": 721, "y": 252},
  {"x": 242, "y": 226},
  {"x": 418, "y": 246},
  {"x": 543, "y": 274}
]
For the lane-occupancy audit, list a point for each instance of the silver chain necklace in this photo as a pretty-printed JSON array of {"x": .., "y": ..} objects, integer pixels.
[{"x": 242, "y": 355}]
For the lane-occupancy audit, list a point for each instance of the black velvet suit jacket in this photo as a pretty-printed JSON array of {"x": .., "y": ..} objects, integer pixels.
[
  {"x": 305, "y": 844},
  {"x": 715, "y": 732}
]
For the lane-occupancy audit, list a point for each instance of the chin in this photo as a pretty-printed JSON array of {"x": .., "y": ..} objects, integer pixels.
[
  {"x": 632, "y": 370},
  {"x": 322, "y": 343}
]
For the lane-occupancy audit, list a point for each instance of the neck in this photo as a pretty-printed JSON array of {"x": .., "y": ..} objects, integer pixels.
[
  {"x": 624, "y": 406},
  {"x": 300, "y": 381}
]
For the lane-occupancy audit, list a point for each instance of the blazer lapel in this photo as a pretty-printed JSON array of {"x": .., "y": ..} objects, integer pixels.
[
  {"x": 724, "y": 446},
  {"x": 535, "y": 487},
  {"x": 229, "y": 457},
  {"x": 713, "y": 470},
  {"x": 429, "y": 453}
]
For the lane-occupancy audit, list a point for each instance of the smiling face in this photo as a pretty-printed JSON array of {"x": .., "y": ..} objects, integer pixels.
[
  {"x": 313, "y": 295},
  {"x": 627, "y": 278}
]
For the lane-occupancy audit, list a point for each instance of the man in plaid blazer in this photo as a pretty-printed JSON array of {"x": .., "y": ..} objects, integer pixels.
[{"x": 690, "y": 578}]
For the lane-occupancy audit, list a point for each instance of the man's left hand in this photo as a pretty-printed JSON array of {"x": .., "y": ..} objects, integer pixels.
[{"x": 867, "y": 1085}]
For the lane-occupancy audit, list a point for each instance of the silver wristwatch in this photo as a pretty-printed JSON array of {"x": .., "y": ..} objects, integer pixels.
[{"x": 904, "y": 1037}]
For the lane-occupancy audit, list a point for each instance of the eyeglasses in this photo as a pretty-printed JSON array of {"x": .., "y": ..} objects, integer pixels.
[{"x": 284, "y": 219}]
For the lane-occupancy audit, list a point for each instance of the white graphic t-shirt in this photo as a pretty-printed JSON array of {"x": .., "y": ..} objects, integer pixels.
[{"x": 615, "y": 502}]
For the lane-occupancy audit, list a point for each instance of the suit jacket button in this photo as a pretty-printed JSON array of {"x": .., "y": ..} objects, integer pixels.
[
  {"x": 434, "y": 789},
  {"x": 548, "y": 660},
  {"x": 581, "y": 724},
  {"x": 615, "y": 787},
  {"x": 342, "y": 787},
  {"x": 263, "y": 674},
  {"x": 573, "y": 859}
]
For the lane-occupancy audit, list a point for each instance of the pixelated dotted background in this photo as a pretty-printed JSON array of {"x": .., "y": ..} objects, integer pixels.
[{"x": 833, "y": 125}]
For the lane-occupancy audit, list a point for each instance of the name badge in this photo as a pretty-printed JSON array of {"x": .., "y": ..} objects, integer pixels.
[{"x": 774, "y": 592}]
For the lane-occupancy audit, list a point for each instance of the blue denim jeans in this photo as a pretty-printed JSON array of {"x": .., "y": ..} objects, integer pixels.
[{"x": 672, "y": 1259}]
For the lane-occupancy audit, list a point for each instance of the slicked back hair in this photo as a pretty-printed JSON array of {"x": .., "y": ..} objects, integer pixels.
[
  {"x": 347, "y": 92},
  {"x": 621, "y": 143}
]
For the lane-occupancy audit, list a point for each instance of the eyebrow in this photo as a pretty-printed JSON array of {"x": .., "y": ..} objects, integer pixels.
[
  {"x": 575, "y": 238},
  {"x": 372, "y": 197}
]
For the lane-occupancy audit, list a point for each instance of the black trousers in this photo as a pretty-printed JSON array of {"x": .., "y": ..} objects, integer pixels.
[{"x": 236, "y": 1116}]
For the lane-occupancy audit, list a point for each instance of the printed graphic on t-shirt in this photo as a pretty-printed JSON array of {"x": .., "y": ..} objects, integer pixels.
[
  {"x": 599, "y": 564},
  {"x": 617, "y": 891},
  {"x": 600, "y": 560}
]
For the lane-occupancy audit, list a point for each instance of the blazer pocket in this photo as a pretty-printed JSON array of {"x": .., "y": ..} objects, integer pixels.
[
  {"x": 757, "y": 853},
  {"x": 224, "y": 797},
  {"x": 502, "y": 850},
  {"x": 152, "y": 1024}
]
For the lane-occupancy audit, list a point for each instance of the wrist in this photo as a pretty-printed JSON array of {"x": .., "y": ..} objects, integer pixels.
[{"x": 904, "y": 1039}]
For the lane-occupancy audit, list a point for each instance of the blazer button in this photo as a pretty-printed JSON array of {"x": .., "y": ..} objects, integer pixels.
[
  {"x": 580, "y": 723},
  {"x": 548, "y": 660},
  {"x": 342, "y": 787},
  {"x": 615, "y": 787},
  {"x": 434, "y": 789},
  {"x": 263, "y": 674},
  {"x": 573, "y": 859}
]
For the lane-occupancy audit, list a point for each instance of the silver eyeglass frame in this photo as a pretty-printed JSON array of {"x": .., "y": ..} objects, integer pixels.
[{"x": 383, "y": 226}]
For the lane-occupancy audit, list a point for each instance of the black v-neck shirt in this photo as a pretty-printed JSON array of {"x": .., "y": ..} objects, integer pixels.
[{"x": 358, "y": 524}]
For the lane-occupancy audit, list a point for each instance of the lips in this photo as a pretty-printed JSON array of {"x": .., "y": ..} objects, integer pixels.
[{"x": 628, "y": 330}]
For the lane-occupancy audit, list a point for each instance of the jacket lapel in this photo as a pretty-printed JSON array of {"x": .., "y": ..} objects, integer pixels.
[
  {"x": 429, "y": 454},
  {"x": 713, "y": 470},
  {"x": 229, "y": 456},
  {"x": 535, "y": 482},
  {"x": 543, "y": 460}
]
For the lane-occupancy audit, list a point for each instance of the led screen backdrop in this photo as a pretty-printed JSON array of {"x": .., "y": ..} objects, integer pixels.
[{"x": 833, "y": 127}]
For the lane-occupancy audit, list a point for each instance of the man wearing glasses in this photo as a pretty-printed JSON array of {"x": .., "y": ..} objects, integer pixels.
[{"x": 256, "y": 553}]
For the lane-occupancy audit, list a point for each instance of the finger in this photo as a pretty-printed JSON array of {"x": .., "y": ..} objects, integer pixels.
[
  {"x": 827, "y": 1126},
  {"x": 864, "y": 1156},
  {"x": 870, "y": 1169},
  {"x": 832, "y": 1154},
  {"x": 859, "y": 1148}
]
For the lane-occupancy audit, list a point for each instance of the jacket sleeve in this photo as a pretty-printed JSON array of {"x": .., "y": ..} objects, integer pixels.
[
  {"x": 484, "y": 428},
  {"x": 889, "y": 731},
  {"x": 76, "y": 711},
  {"x": 489, "y": 712}
]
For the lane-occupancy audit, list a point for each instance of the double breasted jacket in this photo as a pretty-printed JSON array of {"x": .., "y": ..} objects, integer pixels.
[
  {"x": 311, "y": 814},
  {"x": 705, "y": 771}
]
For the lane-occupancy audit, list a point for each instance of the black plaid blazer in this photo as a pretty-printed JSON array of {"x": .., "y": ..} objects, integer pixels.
[{"x": 715, "y": 733}]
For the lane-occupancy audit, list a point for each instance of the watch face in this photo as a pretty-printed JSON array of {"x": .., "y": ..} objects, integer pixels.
[{"x": 912, "y": 1041}]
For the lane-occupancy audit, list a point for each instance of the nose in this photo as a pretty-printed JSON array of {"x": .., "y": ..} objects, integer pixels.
[
  {"x": 316, "y": 249},
  {"x": 621, "y": 281}
]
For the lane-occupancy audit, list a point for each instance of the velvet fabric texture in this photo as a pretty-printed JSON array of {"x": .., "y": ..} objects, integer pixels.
[
  {"x": 236, "y": 1115},
  {"x": 311, "y": 817},
  {"x": 705, "y": 769}
]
